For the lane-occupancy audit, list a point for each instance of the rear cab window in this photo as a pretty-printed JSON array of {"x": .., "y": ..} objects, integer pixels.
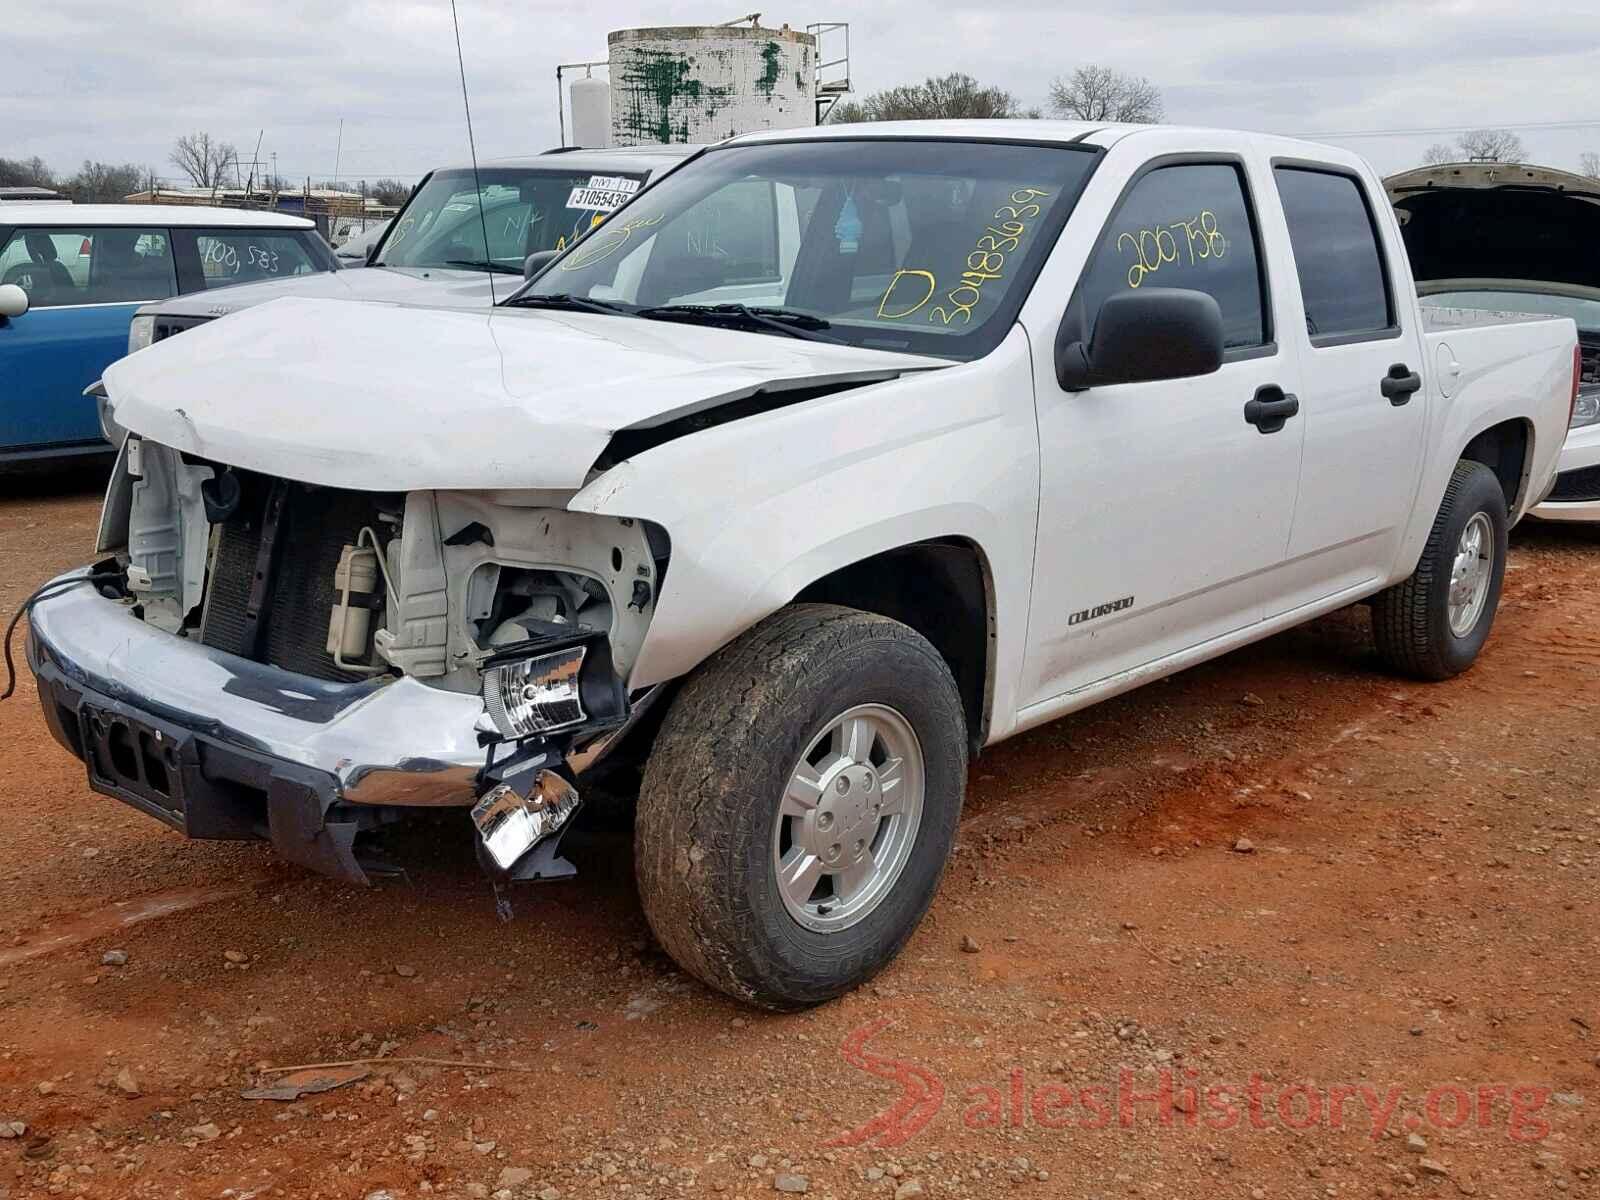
[
  {"x": 1338, "y": 257},
  {"x": 60, "y": 267},
  {"x": 219, "y": 257},
  {"x": 1185, "y": 225}
]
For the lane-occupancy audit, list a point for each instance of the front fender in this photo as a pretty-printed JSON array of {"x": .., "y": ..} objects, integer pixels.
[{"x": 759, "y": 508}]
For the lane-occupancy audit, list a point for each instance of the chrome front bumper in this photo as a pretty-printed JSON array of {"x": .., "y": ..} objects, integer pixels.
[{"x": 399, "y": 742}]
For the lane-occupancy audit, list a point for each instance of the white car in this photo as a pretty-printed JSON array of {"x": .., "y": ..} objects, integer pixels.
[
  {"x": 831, "y": 459},
  {"x": 433, "y": 251},
  {"x": 355, "y": 251},
  {"x": 1513, "y": 238}
]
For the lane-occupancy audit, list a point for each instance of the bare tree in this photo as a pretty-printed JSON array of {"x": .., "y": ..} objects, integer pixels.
[
  {"x": 1496, "y": 145},
  {"x": 1104, "y": 94},
  {"x": 946, "y": 97},
  {"x": 1438, "y": 154},
  {"x": 105, "y": 183},
  {"x": 1589, "y": 164},
  {"x": 31, "y": 172},
  {"x": 390, "y": 191},
  {"x": 205, "y": 161}
]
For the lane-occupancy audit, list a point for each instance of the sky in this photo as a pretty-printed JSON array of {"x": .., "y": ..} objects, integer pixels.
[{"x": 114, "y": 81}]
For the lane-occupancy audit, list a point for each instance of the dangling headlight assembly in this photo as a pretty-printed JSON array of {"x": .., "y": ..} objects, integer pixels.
[{"x": 528, "y": 694}]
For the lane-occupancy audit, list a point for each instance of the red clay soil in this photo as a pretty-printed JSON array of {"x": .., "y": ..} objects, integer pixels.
[{"x": 1283, "y": 926}]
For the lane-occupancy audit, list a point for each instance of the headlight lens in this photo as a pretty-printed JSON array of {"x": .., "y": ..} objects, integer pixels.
[
  {"x": 141, "y": 333},
  {"x": 1587, "y": 410},
  {"x": 535, "y": 695}
]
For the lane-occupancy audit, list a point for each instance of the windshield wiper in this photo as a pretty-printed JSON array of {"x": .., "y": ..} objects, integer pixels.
[
  {"x": 497, "y": 268},
  {"x": 781, "y": 320},
  {"x": 567, "y": 300}
]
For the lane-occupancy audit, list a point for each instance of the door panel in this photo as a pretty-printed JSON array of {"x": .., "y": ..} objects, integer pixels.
[
  {"x": 47, "y": 357},
  {"x": 1360, "y": 469},
  {"x": 1364, "y": 429},
  {"x": 1159, "y": 494},
  {"x": 1162, "y": 507}
]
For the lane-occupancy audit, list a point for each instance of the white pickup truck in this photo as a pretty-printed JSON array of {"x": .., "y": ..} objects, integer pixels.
[{"x": 828, "y": 461}]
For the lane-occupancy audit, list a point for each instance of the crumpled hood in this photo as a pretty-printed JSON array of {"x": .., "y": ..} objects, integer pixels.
[
  {"x": 379, "y": 398},
  {"x": 441, "y": 287}
]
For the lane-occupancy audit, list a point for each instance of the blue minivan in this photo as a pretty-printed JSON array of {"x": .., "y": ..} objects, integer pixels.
[{"x": 71, "y": 277}]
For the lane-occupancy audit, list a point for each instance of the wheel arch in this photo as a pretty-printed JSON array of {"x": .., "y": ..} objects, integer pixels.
[
  {"x": 944, "y": 589},
  {"x": 1506, "y": 448}
]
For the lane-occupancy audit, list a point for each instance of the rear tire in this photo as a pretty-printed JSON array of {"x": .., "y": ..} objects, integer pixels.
[
  {"x": 1433, "y": 625},
  {"x": 799, "y": 805}
]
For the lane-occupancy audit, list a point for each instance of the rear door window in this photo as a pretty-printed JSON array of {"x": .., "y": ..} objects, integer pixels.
[
  {"x": 228, "y": 256},
  {"x": 1190, "y": 226},
  {"x": 1336, "y": 255},
  {"x": 61, "y": 267}
]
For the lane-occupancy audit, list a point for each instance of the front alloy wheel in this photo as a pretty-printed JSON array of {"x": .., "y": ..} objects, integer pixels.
[
  {"x": 849, "y": 818},
  {"x": 800, "y": 803}
]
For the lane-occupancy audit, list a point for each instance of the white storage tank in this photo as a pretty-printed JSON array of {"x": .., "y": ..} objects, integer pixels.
[
  {"x": 702, "y": 83},
  {"x": 591, "y": 113}
]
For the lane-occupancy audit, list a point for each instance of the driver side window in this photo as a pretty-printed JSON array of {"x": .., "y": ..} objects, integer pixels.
[{"x": 1185, "y": 226}]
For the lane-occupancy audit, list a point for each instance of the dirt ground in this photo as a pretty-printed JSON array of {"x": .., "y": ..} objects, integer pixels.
[{"x": 1280, "y": 927}]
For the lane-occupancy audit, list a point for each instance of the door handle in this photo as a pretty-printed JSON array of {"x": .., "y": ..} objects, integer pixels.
[
  {"x": 1400, "y": 384},
  {"x": 1270, "y": 407}
]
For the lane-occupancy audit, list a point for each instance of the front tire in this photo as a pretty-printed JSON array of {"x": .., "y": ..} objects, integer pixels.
[
  {"x": 1433, "y": 625},
  {"x": 799, "y": 805}
]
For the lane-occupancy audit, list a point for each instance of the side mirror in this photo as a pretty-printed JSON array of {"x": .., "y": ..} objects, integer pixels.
[
  {"x": 13, "y": 300},
  {"x": 537, "y": 262},
  {"x": 1142, "y": 336}
]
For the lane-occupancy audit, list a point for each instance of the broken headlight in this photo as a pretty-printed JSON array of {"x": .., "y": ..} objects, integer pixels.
[
  {"x": 569, "y": 685},
  {"x": 535, "y": 695}
]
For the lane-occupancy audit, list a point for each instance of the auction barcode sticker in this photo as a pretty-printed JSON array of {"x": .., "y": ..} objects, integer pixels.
[{"x": 603, "y": 193}]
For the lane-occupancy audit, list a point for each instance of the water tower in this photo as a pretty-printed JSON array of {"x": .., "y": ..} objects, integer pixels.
[{"x": 702, "y": 83}]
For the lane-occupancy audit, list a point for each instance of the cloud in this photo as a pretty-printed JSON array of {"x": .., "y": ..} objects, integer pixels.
[{"x": 108, "y": 80}]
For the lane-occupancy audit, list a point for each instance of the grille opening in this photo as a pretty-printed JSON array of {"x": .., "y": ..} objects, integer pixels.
[
  {"x": 1579, "y": 485},
  {"x": 68, "y": 720},
  {"x": 124, "y": 761},
  {"x": 155, "y": 766},
  {"x": 314, "y": 527}
]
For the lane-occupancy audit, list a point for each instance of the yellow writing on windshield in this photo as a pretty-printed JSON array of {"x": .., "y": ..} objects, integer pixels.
[
  {"x": 607, "y": 242},
  {"x": 926, "y": 276},
  {"x": 987, "y": 262}
]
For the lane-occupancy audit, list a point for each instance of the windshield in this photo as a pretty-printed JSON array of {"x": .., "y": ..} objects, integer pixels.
[
  {"x": 923, "y": 246},
  {"x": 525, "y": 210},
  {"x": 1585, "y": 312}
]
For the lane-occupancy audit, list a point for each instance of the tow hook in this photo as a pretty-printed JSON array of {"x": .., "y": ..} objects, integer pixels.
[{"x": 521, "y": 815}]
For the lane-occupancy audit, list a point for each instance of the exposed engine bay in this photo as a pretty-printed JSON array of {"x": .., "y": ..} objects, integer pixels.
[
  {"x": 343, "y": 585},
  {"x": 521, "y": 620}
]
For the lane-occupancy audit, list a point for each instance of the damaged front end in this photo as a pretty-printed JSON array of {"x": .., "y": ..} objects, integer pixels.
[{"x": 308, "y": 664}]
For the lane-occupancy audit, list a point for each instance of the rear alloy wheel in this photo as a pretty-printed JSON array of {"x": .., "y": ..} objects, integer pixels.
[
  {"x": 1433, "y": 625},
  {"x": 799, "y": 804}
]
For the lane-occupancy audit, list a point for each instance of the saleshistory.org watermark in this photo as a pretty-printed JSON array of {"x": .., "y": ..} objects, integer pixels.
[{"x": 1180, "y": 1097}]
